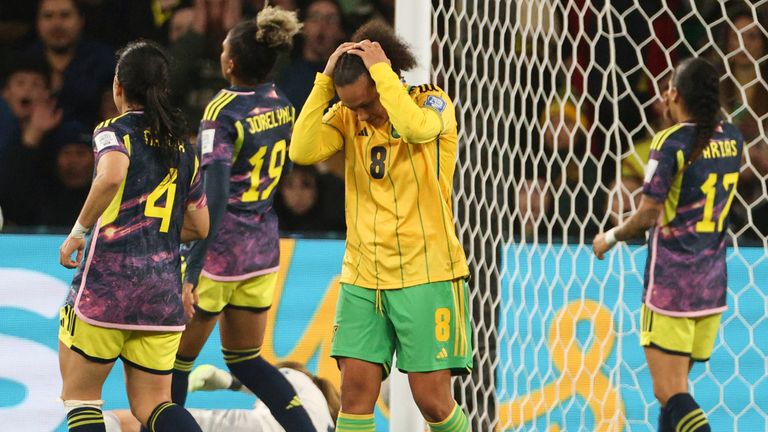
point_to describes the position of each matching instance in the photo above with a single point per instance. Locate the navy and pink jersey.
(131, 275)
(685, 272)
(247, 129)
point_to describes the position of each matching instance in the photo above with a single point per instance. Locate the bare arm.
(196, 224)
(644, 218)
(110, 174)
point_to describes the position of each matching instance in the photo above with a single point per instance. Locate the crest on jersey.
(436, 103)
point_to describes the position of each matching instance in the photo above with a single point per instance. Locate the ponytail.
(143, 71)
(698, 84)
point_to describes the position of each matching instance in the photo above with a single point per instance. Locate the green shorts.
(427, 325)
(690, 337)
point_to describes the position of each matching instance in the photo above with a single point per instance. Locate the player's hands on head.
(189, 298)
(370, 52)
(70, 246)
(600, 246)
(331, 65)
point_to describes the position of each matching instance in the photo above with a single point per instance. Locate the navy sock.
(181, 369)
(85, 419)
(664, 425)
(269, 385)
(685, 414)
(169, 417)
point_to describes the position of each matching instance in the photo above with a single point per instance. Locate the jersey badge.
(436, 103)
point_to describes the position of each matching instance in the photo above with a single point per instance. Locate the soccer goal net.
(557, 103)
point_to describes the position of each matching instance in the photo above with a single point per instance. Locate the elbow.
(111, 181)
(297, 157)
(203, 228)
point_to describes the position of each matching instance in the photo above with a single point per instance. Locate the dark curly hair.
(350, 67)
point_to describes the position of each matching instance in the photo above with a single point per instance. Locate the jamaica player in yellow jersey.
(402, 282)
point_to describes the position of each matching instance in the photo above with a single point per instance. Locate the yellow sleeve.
(315, 138)
(415, 124)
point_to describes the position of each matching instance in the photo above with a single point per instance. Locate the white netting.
(557, 101)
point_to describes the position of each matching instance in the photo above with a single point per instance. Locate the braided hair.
(698, 84)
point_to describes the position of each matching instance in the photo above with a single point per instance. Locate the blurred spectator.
(80, 67)
(59, 197)
(27, 116)
(196, 35)
(633, 163)
(744, 97)
(359, 12)
(50, 191)
(308, 202)
(27, 113)
(119, 22)
(252, 7)
(534, 204)
(322, 33)
(573, 171)
(107, 108)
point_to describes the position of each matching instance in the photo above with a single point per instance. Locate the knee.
(434, 409)
(358, 396)
(142, 409)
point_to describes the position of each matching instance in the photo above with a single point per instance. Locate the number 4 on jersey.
(166, 187)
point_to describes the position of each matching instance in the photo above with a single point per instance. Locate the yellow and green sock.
(355, 422)
(455, 422)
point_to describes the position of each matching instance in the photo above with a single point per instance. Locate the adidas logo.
(363, 132)
(295, 402)
(443, 354)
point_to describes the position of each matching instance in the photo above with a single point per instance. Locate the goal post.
(557, 102)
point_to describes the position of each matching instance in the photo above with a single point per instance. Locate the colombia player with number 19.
(126, 297)
(403, 276)
(243, 142)
(690, 182)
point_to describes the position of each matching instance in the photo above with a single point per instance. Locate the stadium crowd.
(573, 190)
(57, 60)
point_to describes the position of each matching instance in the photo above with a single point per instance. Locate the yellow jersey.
(399, 181)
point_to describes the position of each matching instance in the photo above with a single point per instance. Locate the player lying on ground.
(319, 397)
(688, 189)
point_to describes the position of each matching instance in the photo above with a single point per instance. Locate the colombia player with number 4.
(403, 276)
(243, 141)
(126, 297)
(690, 182)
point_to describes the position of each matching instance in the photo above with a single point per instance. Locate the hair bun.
(276, 27)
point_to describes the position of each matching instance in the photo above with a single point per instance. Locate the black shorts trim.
(249, 309)
(668, 351)
(205, 312)
(92, 358)
(146, 369)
